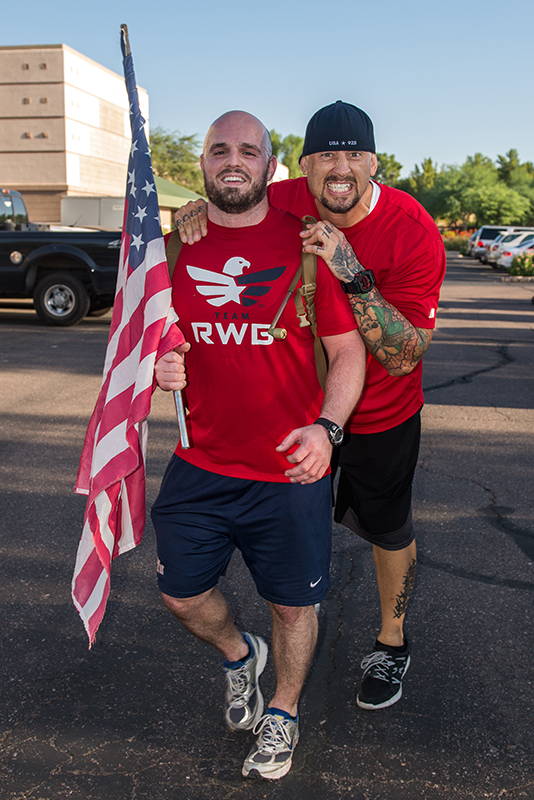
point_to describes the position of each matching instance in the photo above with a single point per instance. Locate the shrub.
(451, 234)
(458, 243)
(522, 265)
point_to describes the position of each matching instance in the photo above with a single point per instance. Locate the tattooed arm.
(388, 335)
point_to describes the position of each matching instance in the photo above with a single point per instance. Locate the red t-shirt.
(400, 242)
(245, 390)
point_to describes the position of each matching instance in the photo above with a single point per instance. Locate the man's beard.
(231, 199)
(341, 206)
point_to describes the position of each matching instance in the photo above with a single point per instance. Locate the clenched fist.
(170, 369)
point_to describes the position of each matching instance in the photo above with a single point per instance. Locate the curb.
(518, 279)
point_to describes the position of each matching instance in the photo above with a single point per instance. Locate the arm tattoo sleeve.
(390, 338)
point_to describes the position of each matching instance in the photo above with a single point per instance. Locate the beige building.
(64, 127)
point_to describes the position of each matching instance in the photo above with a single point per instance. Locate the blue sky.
(438, 79)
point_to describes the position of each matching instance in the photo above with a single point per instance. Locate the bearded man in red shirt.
(262, 431)
(388, 255)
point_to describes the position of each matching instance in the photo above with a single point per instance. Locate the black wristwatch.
(335, 433)
(362, 283)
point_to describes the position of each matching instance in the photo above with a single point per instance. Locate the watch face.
(335, 433)
(362, 283)
(337, 436)
(366, 283)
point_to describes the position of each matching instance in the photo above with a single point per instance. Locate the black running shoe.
(383, 671)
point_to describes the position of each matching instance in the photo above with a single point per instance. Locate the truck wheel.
(60, 299)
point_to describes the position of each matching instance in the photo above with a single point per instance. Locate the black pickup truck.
(69, 274)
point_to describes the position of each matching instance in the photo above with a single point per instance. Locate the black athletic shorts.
(284, 532)
(374, 496)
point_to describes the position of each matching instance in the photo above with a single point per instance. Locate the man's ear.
(373, 164)
(202, 160)
(273, 163)
(303, 163)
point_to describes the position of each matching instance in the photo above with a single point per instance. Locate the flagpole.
(180, 414)
(126, 40)
(178, 399)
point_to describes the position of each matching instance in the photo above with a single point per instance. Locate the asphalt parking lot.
(139, 716)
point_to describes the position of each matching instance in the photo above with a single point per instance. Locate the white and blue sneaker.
(244, 700)
(272, 753)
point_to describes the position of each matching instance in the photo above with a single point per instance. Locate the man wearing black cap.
(388, 254)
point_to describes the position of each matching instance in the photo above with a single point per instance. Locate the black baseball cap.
(339, 126)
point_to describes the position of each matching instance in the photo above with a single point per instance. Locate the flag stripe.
(112, 464)
(87, 562)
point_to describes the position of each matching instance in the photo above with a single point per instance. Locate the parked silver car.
(481, 238)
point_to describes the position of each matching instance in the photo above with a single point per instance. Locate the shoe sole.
(254, 772)
(275, 774)
(390, 701)
(263, 652)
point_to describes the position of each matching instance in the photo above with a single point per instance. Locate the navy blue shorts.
(283, 531)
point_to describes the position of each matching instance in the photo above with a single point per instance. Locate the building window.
(26, 101)
(42, 65)
(26, 135)
(43, 100)
(42, 135)
(25, 66)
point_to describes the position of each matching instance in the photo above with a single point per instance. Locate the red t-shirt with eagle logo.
(245, 390)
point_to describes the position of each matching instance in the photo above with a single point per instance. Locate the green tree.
(496, 204)
(176, 157)
(480, 191)
(507, 164)
(519, 177)
(422, 178)
(473, 194)
(422, 184)
(389, 169)
(287, 150)
(276, 139)
(445, 202)
(478, 170)
(292, 146)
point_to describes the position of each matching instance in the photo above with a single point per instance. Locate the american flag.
(112, 464)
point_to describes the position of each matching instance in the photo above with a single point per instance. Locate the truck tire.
(60, 299)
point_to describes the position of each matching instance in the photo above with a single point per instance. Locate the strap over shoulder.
(307, 291)
(173, 245)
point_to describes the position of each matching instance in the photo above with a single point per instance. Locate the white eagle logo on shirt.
(227, 286)
(226, 289)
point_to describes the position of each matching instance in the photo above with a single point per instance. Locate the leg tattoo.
(402, 599)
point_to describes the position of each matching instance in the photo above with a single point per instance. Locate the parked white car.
(485, 236)
(509, 253)
(505, 242)
(492, 250)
